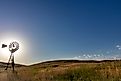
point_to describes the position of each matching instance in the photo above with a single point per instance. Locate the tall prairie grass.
(105, 71)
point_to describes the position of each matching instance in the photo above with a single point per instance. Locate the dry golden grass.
(102, 71)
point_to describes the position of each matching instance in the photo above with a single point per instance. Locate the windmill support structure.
(12, 62)
(14, 46)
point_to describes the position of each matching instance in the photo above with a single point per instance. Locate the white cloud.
(94, 55)
(79, 56)
(118, 46)
(89, 57)
(84, 55)
(98, 55)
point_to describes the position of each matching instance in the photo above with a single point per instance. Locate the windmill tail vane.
(14, 46)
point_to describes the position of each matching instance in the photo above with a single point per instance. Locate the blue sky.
(64, 28)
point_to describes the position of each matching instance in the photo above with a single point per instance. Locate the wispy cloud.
(89, 57)
(118, 46)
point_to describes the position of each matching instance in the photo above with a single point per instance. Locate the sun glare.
(5, 53)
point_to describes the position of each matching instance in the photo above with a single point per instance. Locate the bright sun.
(19, 54)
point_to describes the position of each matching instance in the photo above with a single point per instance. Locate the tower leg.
(8, 62)
(13, 63)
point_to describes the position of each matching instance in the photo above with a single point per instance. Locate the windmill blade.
(14, 46)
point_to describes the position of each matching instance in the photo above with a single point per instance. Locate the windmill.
(13, 47)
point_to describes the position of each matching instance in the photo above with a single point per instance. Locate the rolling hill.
(65, 70)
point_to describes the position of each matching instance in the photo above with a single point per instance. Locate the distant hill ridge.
(73, 61)
(3, 64)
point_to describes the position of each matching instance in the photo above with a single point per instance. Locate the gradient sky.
(56, 29)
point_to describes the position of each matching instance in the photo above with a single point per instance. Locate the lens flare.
(19, 54)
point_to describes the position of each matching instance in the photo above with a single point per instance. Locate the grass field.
(66, 71)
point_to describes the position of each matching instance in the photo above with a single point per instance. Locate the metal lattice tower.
(13, 47)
